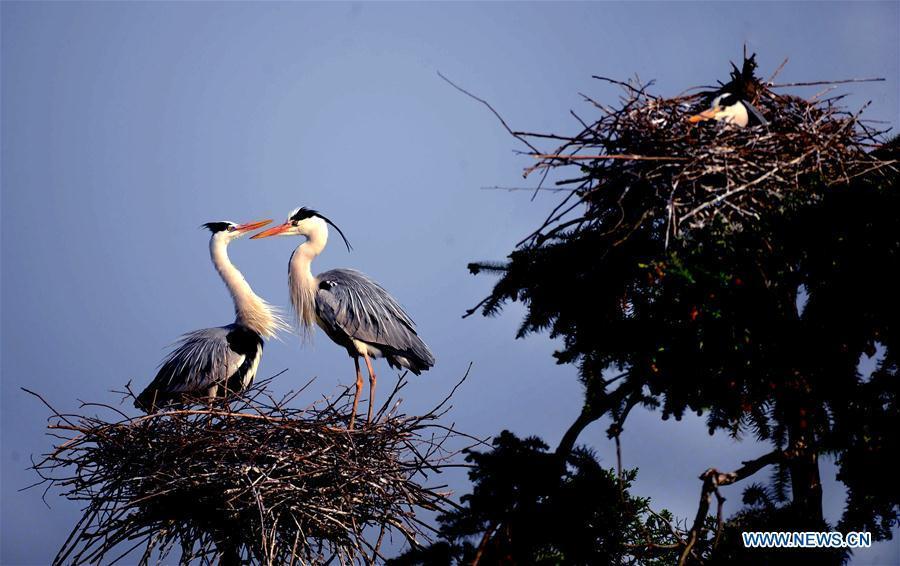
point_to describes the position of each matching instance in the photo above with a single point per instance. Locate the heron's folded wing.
(757, 114)
(199, 360)
(362, 309)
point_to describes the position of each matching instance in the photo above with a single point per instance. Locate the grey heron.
(352, 309)
(732, 109)
(222, 360)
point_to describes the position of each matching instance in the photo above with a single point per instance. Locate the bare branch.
(491, 108)
(819, 83)
(712, 480)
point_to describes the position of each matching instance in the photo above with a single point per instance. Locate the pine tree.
(756, 317)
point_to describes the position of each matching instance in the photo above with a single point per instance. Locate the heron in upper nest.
(730, 108)
(731, 102)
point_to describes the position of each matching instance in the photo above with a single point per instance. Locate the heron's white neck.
(301, 282)
(249, 309)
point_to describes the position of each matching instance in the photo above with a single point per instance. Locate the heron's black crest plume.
(743, 83)
(303, 213)
(729, 99)
(216, 226)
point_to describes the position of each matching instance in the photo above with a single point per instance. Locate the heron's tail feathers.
(417, 358)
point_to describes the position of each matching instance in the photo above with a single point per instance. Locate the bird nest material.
(644, 162)
(253, 479)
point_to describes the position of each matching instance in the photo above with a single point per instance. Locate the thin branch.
(820, 83)
(626, 157)
(712, 480)
(491, 108)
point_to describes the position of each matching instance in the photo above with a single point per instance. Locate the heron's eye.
(232, 228)
(295, 222)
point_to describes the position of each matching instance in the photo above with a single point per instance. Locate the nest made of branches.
(644, 163)
(252, 479)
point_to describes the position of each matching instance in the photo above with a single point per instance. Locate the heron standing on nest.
(218, 361)
(354, 311)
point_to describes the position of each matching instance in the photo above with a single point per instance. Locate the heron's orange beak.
(252, 225)
(274, 231)
(705, 115)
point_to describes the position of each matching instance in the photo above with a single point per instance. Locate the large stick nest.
(252, 479)
(643, 164)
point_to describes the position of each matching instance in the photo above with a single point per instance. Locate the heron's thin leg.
(359, 383)
(371, 387)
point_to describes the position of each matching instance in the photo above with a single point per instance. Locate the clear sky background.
(125, 126)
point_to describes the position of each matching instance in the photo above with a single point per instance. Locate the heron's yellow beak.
(705, 115)
(274, 231)
(252, 225)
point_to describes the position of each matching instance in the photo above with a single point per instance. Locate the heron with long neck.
(216, 362)
(353, 310)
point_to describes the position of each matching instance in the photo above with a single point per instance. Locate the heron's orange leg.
(371, 387)
(359, 383)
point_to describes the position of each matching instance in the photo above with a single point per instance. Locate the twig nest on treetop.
(648, 156)
(253, 479)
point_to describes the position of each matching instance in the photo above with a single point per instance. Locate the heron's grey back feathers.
(226, 356)
(351, 304)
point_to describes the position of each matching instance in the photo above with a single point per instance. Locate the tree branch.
(712, 480)
(593, 410)
(491, 108)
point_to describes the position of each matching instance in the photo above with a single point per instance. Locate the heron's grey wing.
(349, 302)
(199, 360)
(757, 114)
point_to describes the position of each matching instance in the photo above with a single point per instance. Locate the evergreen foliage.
(521, 511)
(757, 316)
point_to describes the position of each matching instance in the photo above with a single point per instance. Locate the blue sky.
(125, 126)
